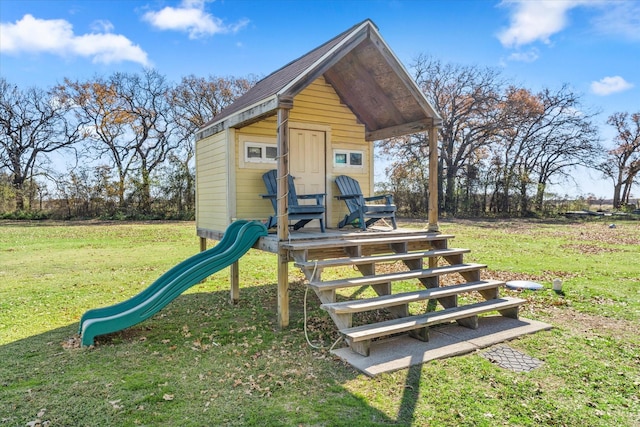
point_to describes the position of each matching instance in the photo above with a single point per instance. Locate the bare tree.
(153, 134)
(623, 161)
(98, 104)
(130, 122)
(33, 123)
(466, 97)
(408, 171)
(566, 138)
(541, 137)
(195, 101)
(517, 115)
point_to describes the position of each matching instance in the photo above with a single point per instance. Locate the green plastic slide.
(237, 240)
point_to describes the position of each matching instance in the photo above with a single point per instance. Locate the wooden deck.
(337, 238)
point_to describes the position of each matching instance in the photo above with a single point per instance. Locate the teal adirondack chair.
(362, 213)
(303, 213)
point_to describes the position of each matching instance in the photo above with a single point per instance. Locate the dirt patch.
(603, 234)
(72, 342)
(587, 249)
(507, 276)
(589, 324)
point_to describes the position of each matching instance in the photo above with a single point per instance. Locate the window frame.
(348, 153)
(263, 147)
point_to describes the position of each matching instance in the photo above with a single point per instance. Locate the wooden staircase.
(426, 258)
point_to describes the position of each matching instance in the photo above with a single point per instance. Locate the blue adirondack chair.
(303, 213)
(362, 213)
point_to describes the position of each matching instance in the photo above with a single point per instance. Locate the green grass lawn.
(203, 362)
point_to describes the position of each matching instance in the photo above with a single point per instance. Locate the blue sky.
(593, 45)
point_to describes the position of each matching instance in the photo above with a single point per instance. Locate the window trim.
(263, 146)
(347, 153)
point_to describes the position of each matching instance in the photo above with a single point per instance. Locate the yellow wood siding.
(320, 104)
(212, 183)
(235, 192)
(249, 185)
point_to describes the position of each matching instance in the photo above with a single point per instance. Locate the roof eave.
(252, 113)
(328, 60)
(405, 76)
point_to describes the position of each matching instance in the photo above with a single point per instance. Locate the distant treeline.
(122, 146)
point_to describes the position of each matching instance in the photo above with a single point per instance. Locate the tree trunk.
(450, 192)
(145, 191)
(616, 194)
(524, 200)
(539, 202)
(626, 193)
(18, 186)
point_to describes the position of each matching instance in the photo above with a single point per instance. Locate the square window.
(355, 159)
(254, 152)
(257, 153)
(341, 158)
(272, 152)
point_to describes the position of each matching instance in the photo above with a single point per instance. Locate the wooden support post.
(234, 278)
(283, 289)
(284, 105)
(433, 180)
(203, 247)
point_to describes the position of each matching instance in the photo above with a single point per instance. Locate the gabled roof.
(363, 71)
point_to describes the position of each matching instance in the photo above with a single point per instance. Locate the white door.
(307, 161)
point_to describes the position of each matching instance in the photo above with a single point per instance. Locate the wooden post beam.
(433, 180)
(234, 278)
(284, 105)
(203, 247)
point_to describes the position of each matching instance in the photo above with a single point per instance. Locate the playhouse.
(330, 105)
(308, 129)
(311, 121)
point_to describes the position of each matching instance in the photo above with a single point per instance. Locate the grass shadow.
(199, 361)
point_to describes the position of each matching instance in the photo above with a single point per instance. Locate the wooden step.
(361, 241)
(393, 277)
(338, 262)
(357, 306)
(359, 337)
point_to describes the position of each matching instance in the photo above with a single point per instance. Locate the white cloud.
(619, 18)
(538, 20)
(56, 36)
(102, 26)
(190, 17)
(609, 85)
(535, 20)
(529, 56)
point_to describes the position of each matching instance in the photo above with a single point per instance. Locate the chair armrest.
(311, 196)
(268, 196)
(387, 197)
(319, 197)
(348, 196)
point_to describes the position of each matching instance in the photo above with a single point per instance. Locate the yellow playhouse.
(333, 103)
(314, 120)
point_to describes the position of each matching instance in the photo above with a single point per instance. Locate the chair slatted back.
(348, 185)
(270, 179)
